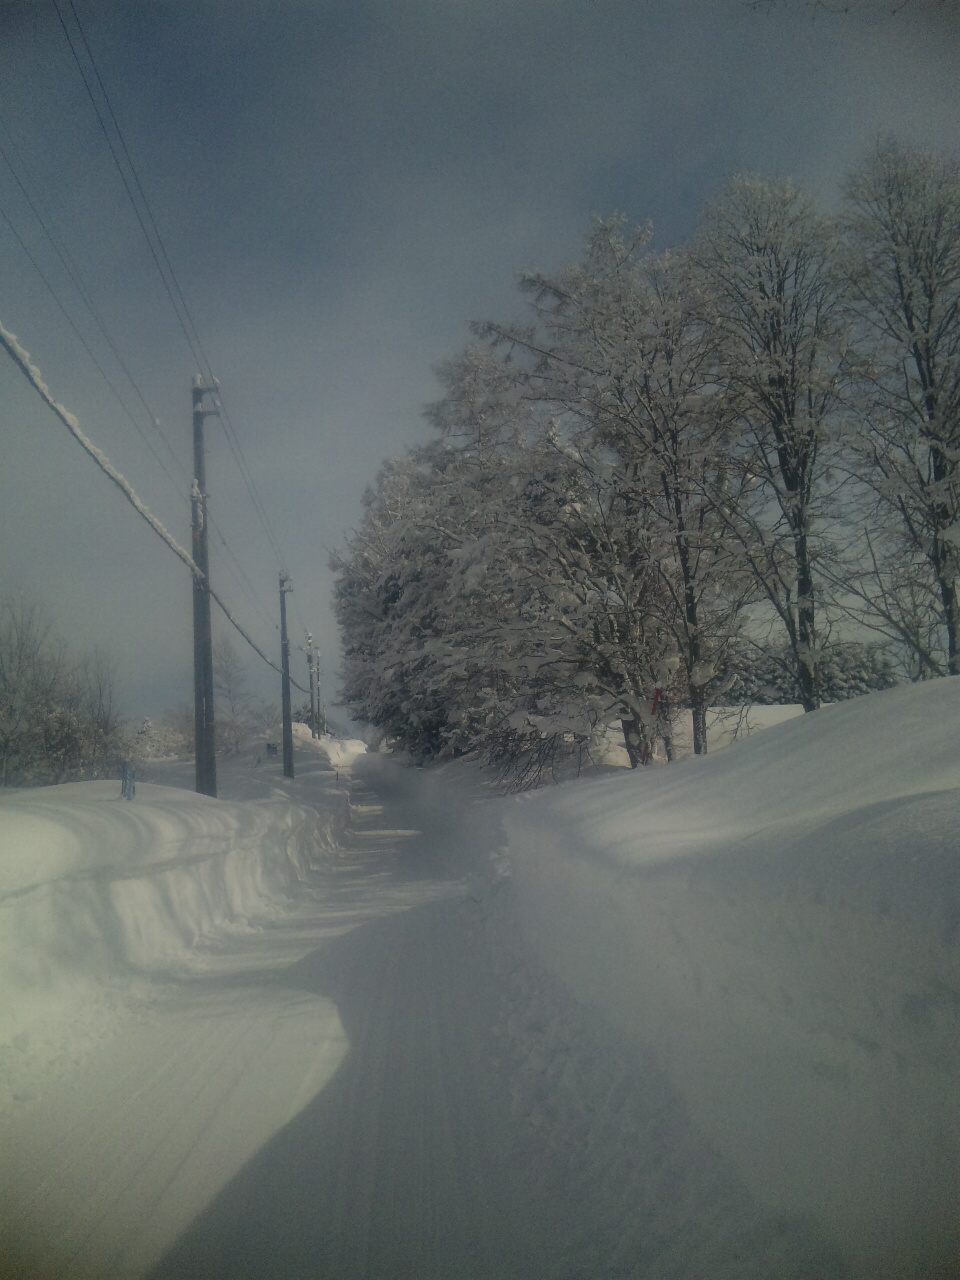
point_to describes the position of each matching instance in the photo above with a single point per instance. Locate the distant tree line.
(58, 719)
(239, 716)
(686, 477)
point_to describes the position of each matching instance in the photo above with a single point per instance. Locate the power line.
(22, 360)
(167, 272)
(126, 184)
(76, 278)
(86, 346)
(242, 577)
(136, 178)
(171, 284)
(233, 440)
(234, 565)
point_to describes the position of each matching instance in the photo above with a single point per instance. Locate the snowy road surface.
(378, 1084)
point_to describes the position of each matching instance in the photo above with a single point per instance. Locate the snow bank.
(341, 752)
(725, 725)
(780, 925)
(96, 893)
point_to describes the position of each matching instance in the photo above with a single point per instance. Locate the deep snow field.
(696, 1022)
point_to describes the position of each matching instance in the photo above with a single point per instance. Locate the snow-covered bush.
(169, 737)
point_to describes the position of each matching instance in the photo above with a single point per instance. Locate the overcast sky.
(342, 187)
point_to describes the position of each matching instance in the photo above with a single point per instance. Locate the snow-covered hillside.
(780, 926)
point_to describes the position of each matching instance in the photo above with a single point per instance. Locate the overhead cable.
(86, 346)
(22, 360)
(233, 565)
(126, 183)
(76, 278)
(169, 276)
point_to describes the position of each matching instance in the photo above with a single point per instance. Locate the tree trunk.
(665, 728)
(694, 646)
(808, 672)
(942, 561)
(630, 728)
(698, 711)
(948, 593)
(635, 740)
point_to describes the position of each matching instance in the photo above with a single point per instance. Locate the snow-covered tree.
(625, 361)
(642, 482)
(494, 599)
(766, 258)
(564, 546)
(591, 596)
(235, 716)
(901, 264)
(391, 566)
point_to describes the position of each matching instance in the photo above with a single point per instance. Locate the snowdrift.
(340, 752)
(780, 925)
(96, 893)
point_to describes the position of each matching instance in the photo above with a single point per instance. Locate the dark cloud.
(342, 187)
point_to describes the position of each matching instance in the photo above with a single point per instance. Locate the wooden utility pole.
(314, 700)
(320, 708)
(321, 713)
(204, 743)
(285, 680)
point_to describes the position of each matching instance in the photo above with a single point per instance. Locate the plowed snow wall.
(96, 894)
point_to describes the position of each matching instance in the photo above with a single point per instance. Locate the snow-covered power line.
(21, 358)
(15, 164)
(122, 157)
(233, 564)
(84, 343)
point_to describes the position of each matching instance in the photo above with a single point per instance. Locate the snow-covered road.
(398, 1167)
(378, 1084)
